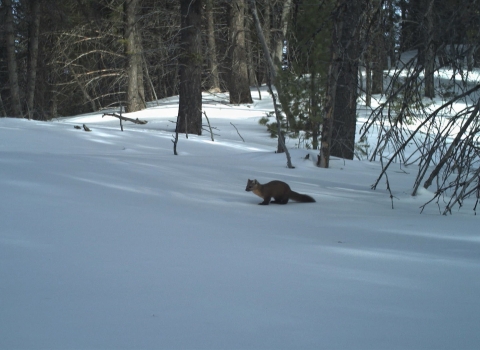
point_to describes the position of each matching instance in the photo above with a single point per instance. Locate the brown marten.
(279, 190)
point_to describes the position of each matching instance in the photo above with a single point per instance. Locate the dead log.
(136, 121)
(121, 117)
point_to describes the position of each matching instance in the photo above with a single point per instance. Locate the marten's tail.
(298, 197)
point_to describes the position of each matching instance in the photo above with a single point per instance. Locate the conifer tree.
(303, 79)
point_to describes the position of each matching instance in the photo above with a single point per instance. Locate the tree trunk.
(272, 74)
(252, 76)
(239, 82)
(314, 110)
(140, 75)
(33, 31)
(190, 105)
(368, 81)
(339, 122)
(327, 125)
(3, 112)
(280, 34)
(379, 52)
(470, 58)
(12, 61)
(212, 49)
(266, 30)
(429, 53)
(134, 59)
(390, 43)
(345, 103)
(377, 74)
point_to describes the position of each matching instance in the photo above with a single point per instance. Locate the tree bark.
(345, 102)
(429, 53)
(267, 31)
(239, 82)
(12, 61)
(212, 48)
(327, 125)
(339, 122)
(140, 74)
(134, 59)
(281, 33)
(33, 31)
(368, 81)
(190, 105)
(377, 73)
(379, 52)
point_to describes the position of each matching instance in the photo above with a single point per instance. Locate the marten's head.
(251, 185)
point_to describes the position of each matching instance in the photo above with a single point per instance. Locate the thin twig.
(237, 132)
(175, 140)
(209, 126)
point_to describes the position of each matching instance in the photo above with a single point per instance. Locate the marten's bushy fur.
(278, 190)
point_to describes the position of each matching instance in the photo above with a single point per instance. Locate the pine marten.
(279, 190)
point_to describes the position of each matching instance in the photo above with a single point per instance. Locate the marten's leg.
(266, 201)
(280, 200)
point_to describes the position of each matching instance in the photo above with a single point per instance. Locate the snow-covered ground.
(109, 241)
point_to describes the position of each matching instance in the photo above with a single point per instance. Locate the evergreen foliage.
(303, 72)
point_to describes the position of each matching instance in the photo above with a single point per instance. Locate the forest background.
(62, 58)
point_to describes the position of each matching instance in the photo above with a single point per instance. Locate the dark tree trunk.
(339, 122)
(327, 124)
(239, 82)
(212, 48)
(12, 61)
(281, 33)
(135, 100)
(33, 32)
(377, 74)
(379, 54)
(419, 33)
(345, 103)
(390, 42)
(266, 30)
(429, 53)
(140, 68)
(368, 81)
(190, 104)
